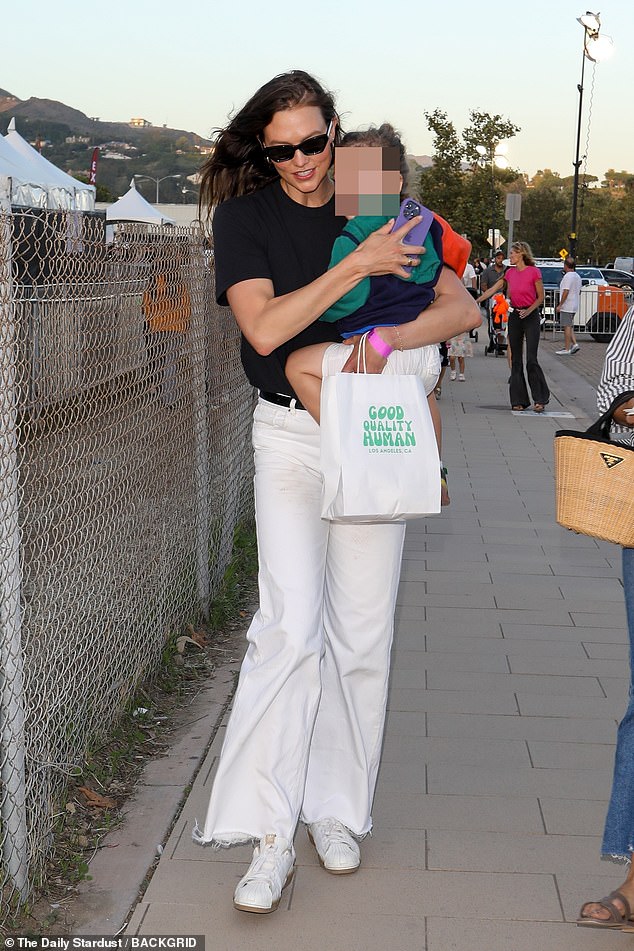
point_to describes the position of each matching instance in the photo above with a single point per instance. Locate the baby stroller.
(498, 325)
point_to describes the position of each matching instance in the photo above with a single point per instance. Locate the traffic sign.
(563, 253)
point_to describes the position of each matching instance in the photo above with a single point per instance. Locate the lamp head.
(591, 22)
(598, 48)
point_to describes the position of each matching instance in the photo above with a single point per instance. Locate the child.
(384, 301)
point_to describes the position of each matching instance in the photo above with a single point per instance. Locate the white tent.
(63, 191)
(23, 184)
(133, 207)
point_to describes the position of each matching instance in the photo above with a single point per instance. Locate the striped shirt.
(618, 373)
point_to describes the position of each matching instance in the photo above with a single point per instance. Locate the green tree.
(440, 185)
(486, 131)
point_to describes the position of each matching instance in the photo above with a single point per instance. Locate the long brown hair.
(237, 164)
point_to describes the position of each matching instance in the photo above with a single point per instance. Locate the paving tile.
(616, 688)
(601, 589)
(481, 598)
(553, 615)
(450, 701)
(415, 810)
(230, 930)
(454, 934)
(405, 660)
(533, 705)
(552, 729)
(513, 646)
(502, 683)
(608, 651)
(544, 631)
(480, 622)
(508, 852)
(568, 817)
(567, 666)
(518, 781)
(584, 755)
(402, 750)
(581, 571)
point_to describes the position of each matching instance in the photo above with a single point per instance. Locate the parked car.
(591, 275)
(624, 264)
(618, 278)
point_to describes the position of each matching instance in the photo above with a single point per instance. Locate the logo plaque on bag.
(387, 429)
(610, 460)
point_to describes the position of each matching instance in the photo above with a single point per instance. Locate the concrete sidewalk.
(509, 672)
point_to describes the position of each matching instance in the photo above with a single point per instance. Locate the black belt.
(281, 400)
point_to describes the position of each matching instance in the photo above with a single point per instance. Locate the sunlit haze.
(188, 66)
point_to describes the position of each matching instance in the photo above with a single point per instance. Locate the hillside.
(52, 112)
(155, 151)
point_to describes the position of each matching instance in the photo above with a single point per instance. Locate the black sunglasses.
(312, 146)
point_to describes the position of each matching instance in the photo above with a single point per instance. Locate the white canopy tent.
(133, 207)
(63, 191)
(22, 185)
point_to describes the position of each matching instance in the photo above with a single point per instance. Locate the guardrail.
(600, 310)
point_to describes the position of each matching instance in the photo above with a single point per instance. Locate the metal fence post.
(14, 855)
(197, 353)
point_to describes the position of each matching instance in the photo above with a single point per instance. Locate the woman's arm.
(491, 291)
(268, 321)
(618, 371)
(453, 312)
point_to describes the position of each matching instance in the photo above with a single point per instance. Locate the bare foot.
(596, 911)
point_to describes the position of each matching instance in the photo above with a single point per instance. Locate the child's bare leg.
(437, 423)
(303, 371)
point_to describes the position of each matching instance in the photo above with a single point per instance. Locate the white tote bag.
(379, 457)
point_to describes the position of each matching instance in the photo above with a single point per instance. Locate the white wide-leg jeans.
(305, 732)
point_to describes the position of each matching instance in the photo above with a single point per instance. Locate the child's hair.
(385, 136)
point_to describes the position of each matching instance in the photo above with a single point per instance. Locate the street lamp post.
(595, 48)
(496, 154)
(157, 181)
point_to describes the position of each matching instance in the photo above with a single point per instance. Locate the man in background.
(569, 290)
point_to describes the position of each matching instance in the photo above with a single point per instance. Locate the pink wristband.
(378, 343)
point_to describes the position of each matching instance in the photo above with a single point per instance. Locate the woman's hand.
(619, 416)
(383, 251)
(374, 362)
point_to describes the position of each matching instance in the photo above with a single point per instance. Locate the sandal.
(538, 407)
(617, 918)
(518, 409)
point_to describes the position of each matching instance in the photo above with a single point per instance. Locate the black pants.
(518, 329)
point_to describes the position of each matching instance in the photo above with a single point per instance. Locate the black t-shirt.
(268, 235)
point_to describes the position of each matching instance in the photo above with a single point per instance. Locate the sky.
(189, 67)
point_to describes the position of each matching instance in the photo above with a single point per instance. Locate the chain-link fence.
(124, 467)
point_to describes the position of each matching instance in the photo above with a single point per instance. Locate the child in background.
(387, 300)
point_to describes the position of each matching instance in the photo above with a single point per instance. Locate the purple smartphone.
(409, 209)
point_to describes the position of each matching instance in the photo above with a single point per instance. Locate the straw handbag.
(594, 481)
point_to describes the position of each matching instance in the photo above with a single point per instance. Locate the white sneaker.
(270, 871)
(338, 852)
(575, 348)
(452, 375)
(563, 353)
(461, 377)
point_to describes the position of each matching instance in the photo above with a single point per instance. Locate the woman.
(304, 737)
(617, 908)
(523, 284)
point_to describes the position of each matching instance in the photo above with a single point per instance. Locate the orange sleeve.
(455, 249)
